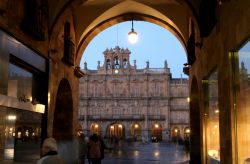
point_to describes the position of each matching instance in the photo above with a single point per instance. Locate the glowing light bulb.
(132, 37)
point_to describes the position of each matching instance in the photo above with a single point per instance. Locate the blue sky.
(244, 56)
(155, 45)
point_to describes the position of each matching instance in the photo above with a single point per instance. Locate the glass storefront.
(212, 134)
(20, 134)
(19, 83)
(242, 104)
(23, 97)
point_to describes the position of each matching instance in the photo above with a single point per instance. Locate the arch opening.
(87, 38)
(63, 111)
(116, 131)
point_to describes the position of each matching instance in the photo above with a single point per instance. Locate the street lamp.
(132, 35)
(156, 126)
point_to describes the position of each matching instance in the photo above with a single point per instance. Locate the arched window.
(116, 63)
(125, 63)
(108, 64)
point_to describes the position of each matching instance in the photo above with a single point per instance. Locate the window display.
(243, 103)
(212, 119)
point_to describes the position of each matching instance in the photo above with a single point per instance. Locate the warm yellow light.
(176, 130)
(156, 126)
(112, 127)
(120, 126)
(136, 126)
(156, 154)
(216, 111)
(12, 117)
(40, 108)
(116, 71)
(19, 134)
(49, 98)
(188, 99)
(213, 153)
(187, 130)
(96, 126)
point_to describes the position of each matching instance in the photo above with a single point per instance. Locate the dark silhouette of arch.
(195, 144)
(63, 115)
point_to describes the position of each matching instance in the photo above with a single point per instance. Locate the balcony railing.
(179, 107)
(156, 117)
(122, 117)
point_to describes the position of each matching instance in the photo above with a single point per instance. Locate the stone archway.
(116, 130)
(95, 128)
(63, 115)
(136, 130)
(195, 135)
(156, 132)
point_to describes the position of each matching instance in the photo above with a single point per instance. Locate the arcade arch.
(116, 130)
(136, 130)
(156, 131)
(63, 111)
(95, 128)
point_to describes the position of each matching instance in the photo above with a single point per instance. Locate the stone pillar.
(145, 130)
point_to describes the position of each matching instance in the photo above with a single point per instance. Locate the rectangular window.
(19, 129)
(242, 104)
(19, 83)
(212, 136)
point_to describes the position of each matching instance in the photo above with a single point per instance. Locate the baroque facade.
(119, 100)
(48, 38)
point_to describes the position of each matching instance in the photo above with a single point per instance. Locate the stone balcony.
(126, 117)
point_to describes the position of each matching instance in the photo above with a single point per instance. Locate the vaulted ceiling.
(93, 16)
(89, 14)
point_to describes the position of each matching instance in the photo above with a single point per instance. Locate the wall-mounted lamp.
(132, 35)
(40, 108)
(186, 69)
(78, 73)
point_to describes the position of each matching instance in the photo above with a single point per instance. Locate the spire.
(165, 64)
(147, 64)
(98, 65)
(85, 66)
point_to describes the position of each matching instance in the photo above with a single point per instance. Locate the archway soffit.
(122, 18)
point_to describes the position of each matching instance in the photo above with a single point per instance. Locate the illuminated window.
(20, 83)
(212, 118)
(242, 104)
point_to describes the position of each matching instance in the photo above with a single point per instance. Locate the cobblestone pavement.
(136, 153)
(147, 153)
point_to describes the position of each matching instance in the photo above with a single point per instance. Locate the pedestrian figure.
(81, 147)
(49, 153)
(88, 151)
(103, 147)
(95, 149)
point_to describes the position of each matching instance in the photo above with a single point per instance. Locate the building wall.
(144, 96)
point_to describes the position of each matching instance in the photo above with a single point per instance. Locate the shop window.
(17, 132)
(19, 83)
(211, 114)
(242, 104)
